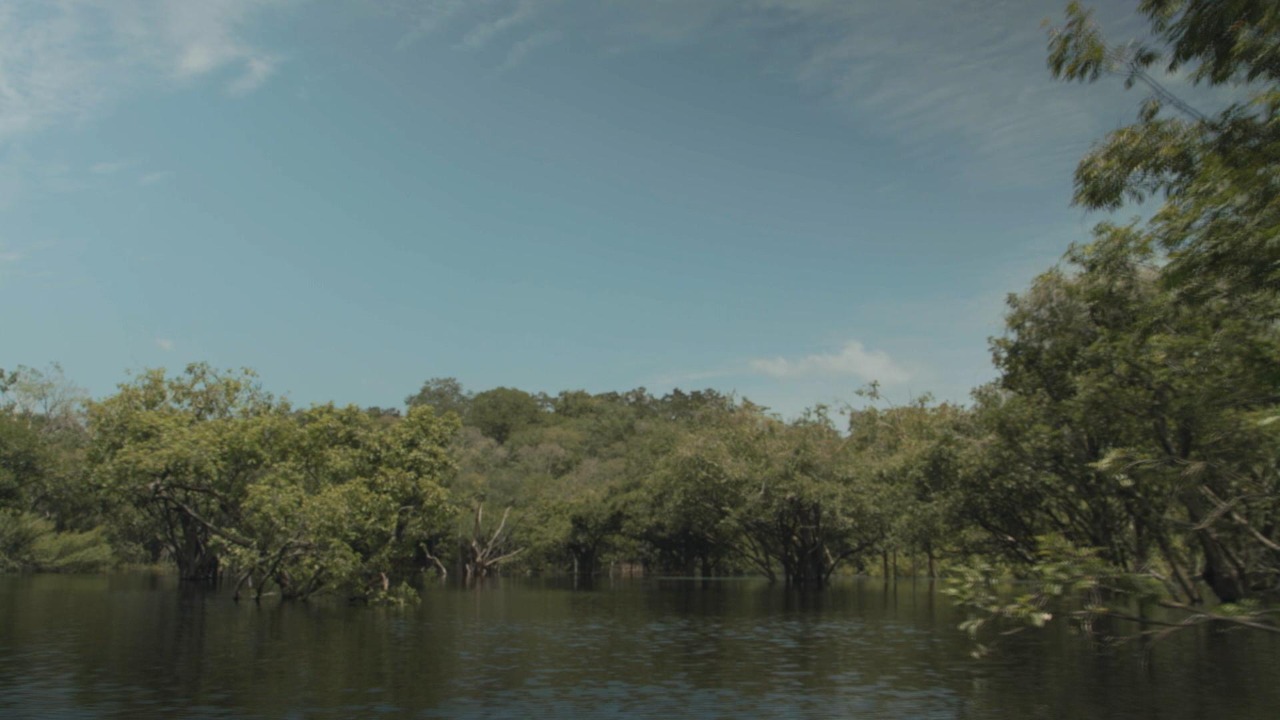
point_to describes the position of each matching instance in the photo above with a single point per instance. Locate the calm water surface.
(133, 646)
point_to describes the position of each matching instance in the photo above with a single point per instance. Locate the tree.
(446, 395)
(1218, 174)
(1137, 404)
(1130, 451)
(50, 518)
(42, 443)
(502, 411)
(682, 514)
(23, 461)
(787, 495)
(350, 504)
(576, 515)
(177, 456)
(914, 455)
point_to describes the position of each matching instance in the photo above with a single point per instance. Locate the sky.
(785, 199)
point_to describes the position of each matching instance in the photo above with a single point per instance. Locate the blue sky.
(782, 198)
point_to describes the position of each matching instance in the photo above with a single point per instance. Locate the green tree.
(787, 494)
(1217, 173)
(177, 456)
(1134, 421)
(42, 444)
(49, 515)
(446, 395)
(351, 504)
(914, 456)
(1130, 445)
(500, 412)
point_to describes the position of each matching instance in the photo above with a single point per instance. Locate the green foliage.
(348, 505)
(1216, 173)
(18, 535)
(1067, 581)
(23, 460)
(500, 412)
(914, 456)
(445, 395)
(32, 543)
(1129, 426)
(177, 455)
(1127, 456)
(781, 496)
(42, 443)
(78, 552)
(212, 470)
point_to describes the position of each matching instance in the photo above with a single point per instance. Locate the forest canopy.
(1126, 457)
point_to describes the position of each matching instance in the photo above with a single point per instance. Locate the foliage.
(1127, 456)
(1071, 582)
(915, 455)
(445, 395)
(213, 471)
(1218, 174)
(1131, 427)
(42, 444)
(176, 455)
(500, 412)
(350, 505)
(783, 496)
(30, 542)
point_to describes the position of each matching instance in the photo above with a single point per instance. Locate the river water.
(138, 645)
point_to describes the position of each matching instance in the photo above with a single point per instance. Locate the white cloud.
(107, 168)
(852, 359)
(63, 62)
(164, 344)
(154, 178)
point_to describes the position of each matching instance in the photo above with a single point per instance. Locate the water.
(132, 646)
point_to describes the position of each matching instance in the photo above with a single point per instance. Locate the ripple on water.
(639, 650)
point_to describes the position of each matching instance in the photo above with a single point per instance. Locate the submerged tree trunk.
(585, 560)
(191, 553)
(198, 566)
(482, 553)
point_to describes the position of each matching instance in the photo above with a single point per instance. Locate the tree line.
(1127, 456)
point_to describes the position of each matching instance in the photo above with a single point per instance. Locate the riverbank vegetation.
(1127, 455)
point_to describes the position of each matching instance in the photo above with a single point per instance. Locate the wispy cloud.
(153, 178)
(427, 18)
(853, 359)
(107, 168)
(522, 49)
(257, 71)
(961, 81)
(63, 62)
(483, 32)
(164, 344)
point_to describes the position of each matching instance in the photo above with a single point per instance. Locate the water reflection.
(124, 646)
